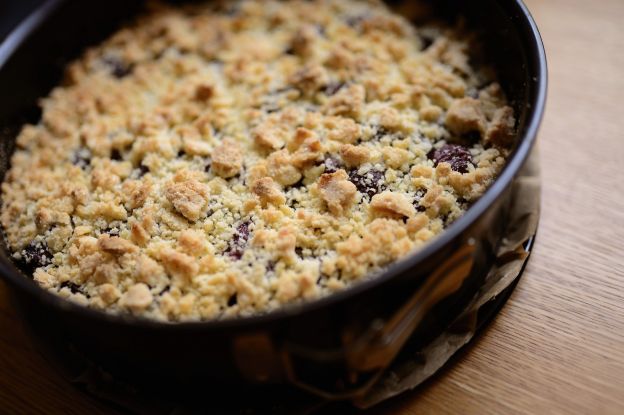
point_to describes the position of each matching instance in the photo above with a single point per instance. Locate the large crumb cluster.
(229, 159)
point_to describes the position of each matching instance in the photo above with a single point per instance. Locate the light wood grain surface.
(558, 344)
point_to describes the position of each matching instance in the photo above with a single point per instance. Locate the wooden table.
(558, 344)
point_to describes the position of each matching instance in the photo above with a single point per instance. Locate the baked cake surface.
(228, 159)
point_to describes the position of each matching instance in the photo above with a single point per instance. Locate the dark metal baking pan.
(336, 346)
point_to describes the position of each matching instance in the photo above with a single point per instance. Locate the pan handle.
(378, 347)
(367, 355)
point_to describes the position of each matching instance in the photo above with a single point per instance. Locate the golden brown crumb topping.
(227, 159)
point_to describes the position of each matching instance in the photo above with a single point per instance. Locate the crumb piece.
(395, 157)
(281, 169)
(301, 136)
(432, 195)
(227, 159)
(390, 119)
(192, 242)
(268, 192)
(421, 171)
(138, 234)
(416, 223)
(149, 271)
(181, 266)
(308, 151)
(137, 298)
(115, 245)
(391, 24)
(431, 113)
(341, 129)
(138, 192)
(337, 191)
(492, 98)
(196, 147)
(44, 279)
(340, 58)
(309, 79)
(354, 156)
(500, 131)
(108, 293)
(348, 102)
(384, 240)
(168, 304)
(110, 210)
(303, 40)
(188, 197)
(186, 304)
(394, 205)
(269, 136)
(102, 177)
(443, 169)
(45, 218)
(286, 241)
(465, 116)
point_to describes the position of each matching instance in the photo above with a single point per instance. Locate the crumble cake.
(230, 158)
